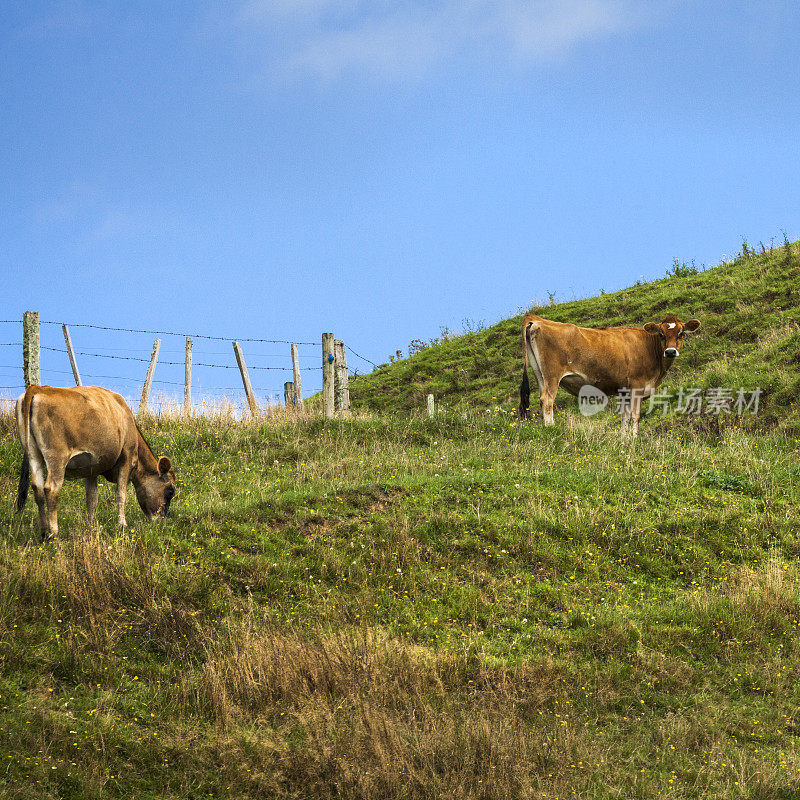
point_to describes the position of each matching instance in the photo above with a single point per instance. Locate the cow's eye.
(680, 335)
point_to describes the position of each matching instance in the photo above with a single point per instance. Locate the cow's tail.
(23, 411)
(524, 394)
(528, 329)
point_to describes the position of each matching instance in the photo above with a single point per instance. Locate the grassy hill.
(749, 307)
(392, 606)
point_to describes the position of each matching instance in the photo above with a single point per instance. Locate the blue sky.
(276, 169)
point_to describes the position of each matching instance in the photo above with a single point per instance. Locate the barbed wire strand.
(171, 363)
(176, 333)
(262, 389)
(361, 357)
(196, 351)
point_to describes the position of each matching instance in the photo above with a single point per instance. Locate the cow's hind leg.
(38, 476)
(548, 386)
(548, 399)
(41, 503)
(52, 488)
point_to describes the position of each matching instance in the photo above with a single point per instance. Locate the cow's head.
(156, 490)
(670, 332)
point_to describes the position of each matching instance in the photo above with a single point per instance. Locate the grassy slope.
(398, 607)
(749, 307)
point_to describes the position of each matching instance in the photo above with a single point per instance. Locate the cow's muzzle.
(670, 352)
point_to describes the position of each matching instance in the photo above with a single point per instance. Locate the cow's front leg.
(631, 411)
(123, 478)
(122, 494)
(91, 498)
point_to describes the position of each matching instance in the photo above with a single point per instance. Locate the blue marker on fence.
(330, 358)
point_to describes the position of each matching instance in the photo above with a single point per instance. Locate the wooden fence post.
(298, 391)
(71, 354)
(248, 389)
(431, 408)
(30, 348)
(149, 378)
(288, 394)
(187, 381)
(341, 382)
(327, 376)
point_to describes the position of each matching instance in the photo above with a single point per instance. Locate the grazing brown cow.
(610, 359)
(84, 432)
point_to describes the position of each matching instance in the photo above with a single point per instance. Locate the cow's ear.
(652, 327)
(692, 325)
(164, 465)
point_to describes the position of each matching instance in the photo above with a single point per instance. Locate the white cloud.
(551, 28)
(399, 44)
(407, 37)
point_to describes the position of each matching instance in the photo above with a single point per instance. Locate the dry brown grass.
(765, 591)
(227, 409)
(380, 718)
(98, 588)
(776, 335)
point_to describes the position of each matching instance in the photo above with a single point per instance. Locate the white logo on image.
(591, 400)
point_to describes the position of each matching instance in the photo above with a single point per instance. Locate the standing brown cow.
(84, 432)
(611, 359)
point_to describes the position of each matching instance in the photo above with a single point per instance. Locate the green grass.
(392, 606)
(405, 607)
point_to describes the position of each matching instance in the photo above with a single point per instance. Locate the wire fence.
(176, 333)
(124, 352)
